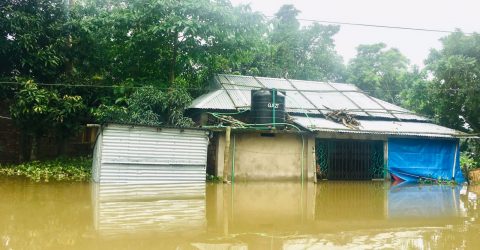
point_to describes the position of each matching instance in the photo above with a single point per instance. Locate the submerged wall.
(267, 156)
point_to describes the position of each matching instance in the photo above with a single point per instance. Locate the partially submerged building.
(273, 129)
(136, 154)
(257, 128)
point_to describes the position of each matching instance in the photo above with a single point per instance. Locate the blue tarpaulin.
(411, 159)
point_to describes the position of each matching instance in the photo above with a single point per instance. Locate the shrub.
(468, 162)
(60, 169)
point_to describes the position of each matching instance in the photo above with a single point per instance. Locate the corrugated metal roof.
(318, 124)
(310, 97)
(217, 99)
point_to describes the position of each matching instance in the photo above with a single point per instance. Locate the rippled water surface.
(328, 215)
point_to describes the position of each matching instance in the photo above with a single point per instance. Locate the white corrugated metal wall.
(138, 154)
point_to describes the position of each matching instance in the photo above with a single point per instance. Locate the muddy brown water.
(328, 215)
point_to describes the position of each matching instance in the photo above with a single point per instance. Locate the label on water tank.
(270, 105)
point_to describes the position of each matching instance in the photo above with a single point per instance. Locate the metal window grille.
(349, 159)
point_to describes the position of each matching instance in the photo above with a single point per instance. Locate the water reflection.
(289, 215)
(327, 215)
(351, 201)
(409, 200)
(120, 208)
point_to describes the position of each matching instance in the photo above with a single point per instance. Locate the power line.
(377, 26)
(92, 86)
(232, 87)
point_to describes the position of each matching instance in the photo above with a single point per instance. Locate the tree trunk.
(173, 61)
(69, 61)
(34, 148)
(226, 156)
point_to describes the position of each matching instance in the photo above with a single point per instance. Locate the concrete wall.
(260, 157)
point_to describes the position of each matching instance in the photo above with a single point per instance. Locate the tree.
(149, 106)
(417, 96)
(454, 87)
(33, 38)
(102, 53)
(379, 71)
(302, 52)
(157, 41)
(456, 81)
(285, 41)
(38, 111)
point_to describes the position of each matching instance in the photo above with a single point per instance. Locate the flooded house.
(283, 129)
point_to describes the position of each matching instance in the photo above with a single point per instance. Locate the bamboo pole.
(226, 156)
(314, 162)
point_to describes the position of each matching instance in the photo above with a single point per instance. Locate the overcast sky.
(430, 14)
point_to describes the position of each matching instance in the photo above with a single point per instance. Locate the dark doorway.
(349, 159)
(212, 155)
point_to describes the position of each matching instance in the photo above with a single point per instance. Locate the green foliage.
(180, 45)
(174, 103)
(380, 72)
(417, 96)
(213, 178)
(32, 108)
(149, 106)
(468, 162)
(33, 39)
(159, 43)
(430, 181)
(61, 169)
(456, 86)
(160, 40)
(301, 53)
(38, 110)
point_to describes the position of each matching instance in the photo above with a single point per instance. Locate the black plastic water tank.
(267, 104)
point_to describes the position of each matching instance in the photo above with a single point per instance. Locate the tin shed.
(142, 154)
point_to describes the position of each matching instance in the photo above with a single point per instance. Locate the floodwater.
(328, 215)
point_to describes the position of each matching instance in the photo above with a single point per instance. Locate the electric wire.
(376, 25)
(233, 85)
